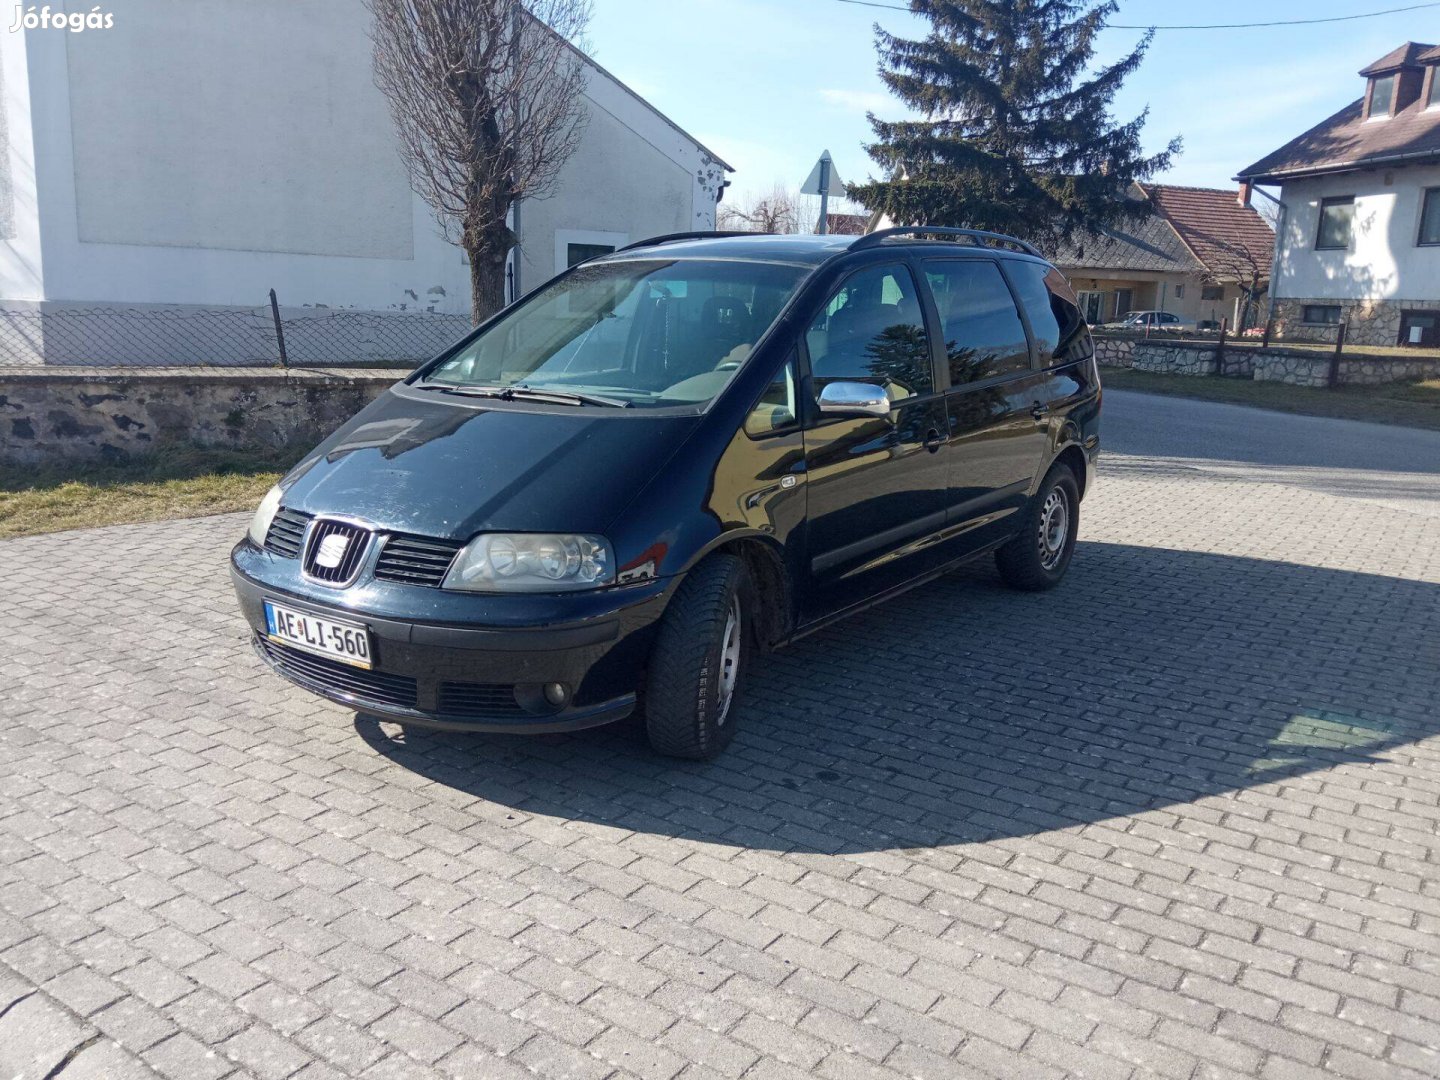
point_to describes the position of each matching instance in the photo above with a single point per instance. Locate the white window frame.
(565, 237)
(1394, 80)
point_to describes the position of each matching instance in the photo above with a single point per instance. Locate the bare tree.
(1239, 262)
(777, 212)
(487, 99)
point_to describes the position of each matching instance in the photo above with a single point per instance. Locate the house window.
(1382, 95)
(1320, 314)
(1212, 292)
(1434, 98)
(1420, 328)
(1179, 291)
(1337, 216)
(578, 253)
(1430, 216)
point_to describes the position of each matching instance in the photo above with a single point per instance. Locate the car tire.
(1038, 555)
(693, 685)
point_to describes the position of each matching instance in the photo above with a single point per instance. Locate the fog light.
(556, 693)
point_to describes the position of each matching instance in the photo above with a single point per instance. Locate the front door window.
(872, 331)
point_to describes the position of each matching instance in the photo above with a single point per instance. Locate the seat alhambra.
(609, 495)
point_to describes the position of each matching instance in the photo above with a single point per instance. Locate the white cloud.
(860, 101)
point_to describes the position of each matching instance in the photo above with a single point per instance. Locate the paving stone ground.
(1177, 819)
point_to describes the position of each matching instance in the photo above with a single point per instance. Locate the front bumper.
(480, 674)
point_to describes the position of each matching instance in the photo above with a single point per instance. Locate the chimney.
(1246, 189)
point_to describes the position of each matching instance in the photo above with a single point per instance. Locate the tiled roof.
(1225, 236)
(847, 224)
(1407, 55)
(1144, 243)
(1345, 141)
(1187, 231)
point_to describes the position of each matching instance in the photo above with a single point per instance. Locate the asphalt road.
(1394, 466)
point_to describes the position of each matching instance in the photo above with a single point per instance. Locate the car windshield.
(638, 333)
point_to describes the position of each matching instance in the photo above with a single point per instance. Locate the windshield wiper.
(526, 393)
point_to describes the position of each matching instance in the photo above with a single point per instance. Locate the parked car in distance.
(607, 497)
(1151, 320)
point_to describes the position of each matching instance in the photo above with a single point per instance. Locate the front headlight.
(264, 515)
(531, 562)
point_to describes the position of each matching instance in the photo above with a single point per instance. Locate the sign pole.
(825, 193)
(821, 179)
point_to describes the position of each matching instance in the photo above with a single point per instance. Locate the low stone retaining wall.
(1114, 352)
(1296, 367)
(109, 414)
(1310, 369)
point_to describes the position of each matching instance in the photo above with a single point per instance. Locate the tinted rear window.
(982, 330)
(1055, 319)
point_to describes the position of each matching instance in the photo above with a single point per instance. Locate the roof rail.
(979, 236)
(670, 238)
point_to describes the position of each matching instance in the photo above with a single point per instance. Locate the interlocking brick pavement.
(1177, 819)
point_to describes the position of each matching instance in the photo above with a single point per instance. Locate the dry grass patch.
(176, 483)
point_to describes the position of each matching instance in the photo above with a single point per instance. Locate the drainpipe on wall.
(1246, 190)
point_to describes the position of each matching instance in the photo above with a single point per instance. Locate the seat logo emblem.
(331, 551)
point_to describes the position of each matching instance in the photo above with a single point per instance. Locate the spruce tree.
(1014, 131)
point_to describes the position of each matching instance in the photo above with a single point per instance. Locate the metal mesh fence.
(220, 337)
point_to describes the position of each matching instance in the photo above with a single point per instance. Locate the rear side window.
(1060, 331)
(983, 334)
(871, 330)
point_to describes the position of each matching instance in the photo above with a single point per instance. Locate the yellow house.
(1195, 253)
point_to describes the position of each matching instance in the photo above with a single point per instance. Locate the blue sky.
(768, 84)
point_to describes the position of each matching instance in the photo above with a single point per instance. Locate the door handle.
(933, 440)
(1039, 410)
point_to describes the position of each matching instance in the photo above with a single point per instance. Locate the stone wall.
(1313, 369)
(1277, 364)
(1371, 322)
(107, 415)
(1173, 359)
(1114, 351)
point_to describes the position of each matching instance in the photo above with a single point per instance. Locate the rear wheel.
(1037, 557)
(692, 690)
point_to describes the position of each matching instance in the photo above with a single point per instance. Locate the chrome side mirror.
(854, 399)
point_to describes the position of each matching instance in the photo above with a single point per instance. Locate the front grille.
(478, 699)
(335, 550)
(287, 532)
(416, 560)
(338, 678)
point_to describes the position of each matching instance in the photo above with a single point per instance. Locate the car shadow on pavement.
(963, 711)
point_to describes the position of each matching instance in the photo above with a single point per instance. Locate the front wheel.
(1037, 557)
(693, 685)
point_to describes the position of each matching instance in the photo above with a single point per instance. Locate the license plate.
(346, 642)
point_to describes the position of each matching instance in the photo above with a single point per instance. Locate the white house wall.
(1384, 262)
(250, 150)
(21, 271)
(618, 187)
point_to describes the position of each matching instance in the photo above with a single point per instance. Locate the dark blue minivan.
(604, 498)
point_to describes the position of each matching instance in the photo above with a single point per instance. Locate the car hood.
(447, 468)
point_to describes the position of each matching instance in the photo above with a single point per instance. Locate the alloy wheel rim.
(729, 659)
(1054, 529)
